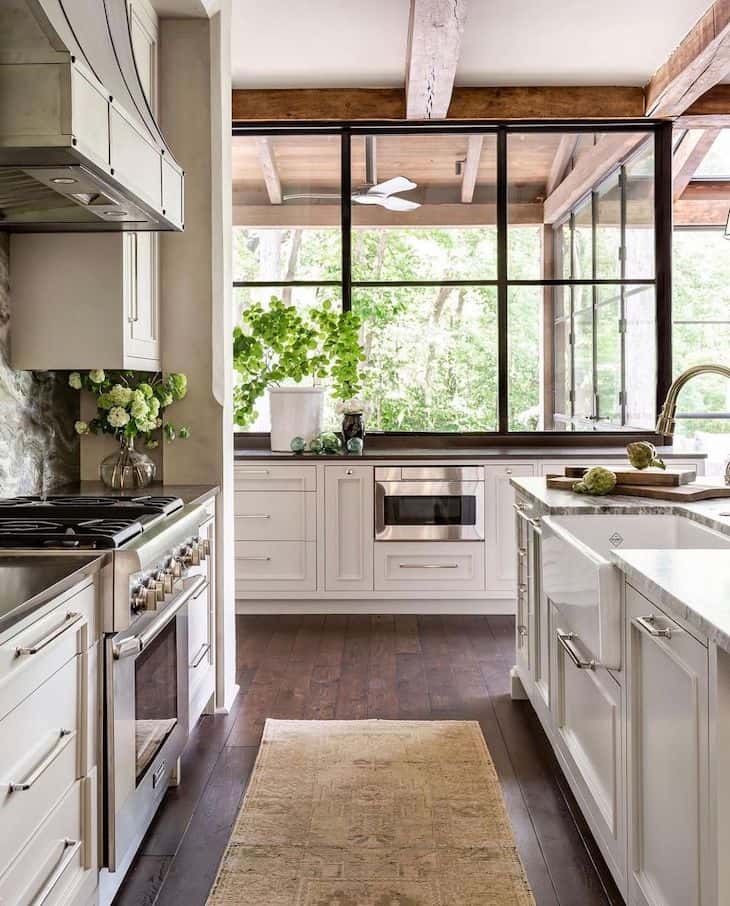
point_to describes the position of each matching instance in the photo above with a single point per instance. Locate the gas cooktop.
(77, 522)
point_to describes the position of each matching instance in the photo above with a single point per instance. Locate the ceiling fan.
(373, 192)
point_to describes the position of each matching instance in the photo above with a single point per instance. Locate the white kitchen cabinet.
(96, 295)
(348, 528)
(501, 572)
(668, 743)
(587, 719)
(523, 646)
(444, 566)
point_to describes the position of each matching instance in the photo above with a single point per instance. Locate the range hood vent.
(80, 148)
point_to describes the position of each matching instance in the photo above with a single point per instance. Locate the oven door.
(146, 719)
(429, 510)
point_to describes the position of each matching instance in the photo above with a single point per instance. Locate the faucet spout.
(666, 421)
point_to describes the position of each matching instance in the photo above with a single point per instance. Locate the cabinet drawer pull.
(64, 738)
(522, 588)
(254, 558)
(253, 516)
(204, 649)
(428, 566)
(567, 641)
(253, 471)
(647, 624)
(522, 630)
(70, 848)
(69, 620)
(522, 553)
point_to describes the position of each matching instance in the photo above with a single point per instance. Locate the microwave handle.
(133, 645)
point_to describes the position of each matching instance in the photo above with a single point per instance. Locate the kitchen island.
(623, 649)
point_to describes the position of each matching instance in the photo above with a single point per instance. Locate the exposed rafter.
(269, 168)
(561, 161)
(590, 169)
(699, 63)
(710, 111)
(470, 170)
(689, 154)
(434, 42)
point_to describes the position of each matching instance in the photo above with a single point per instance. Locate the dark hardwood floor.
(405, 667)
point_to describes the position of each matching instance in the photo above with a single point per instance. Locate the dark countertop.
(188, 493)
(27, 583)
(463, 453)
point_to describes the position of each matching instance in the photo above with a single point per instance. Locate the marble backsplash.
(39, 450)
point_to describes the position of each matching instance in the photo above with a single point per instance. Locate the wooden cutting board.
(686, 493)
(627, 474)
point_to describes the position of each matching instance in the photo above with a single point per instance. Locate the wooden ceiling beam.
(352, 104)
(592, 166)
(435, 28)
(708, 190)
(696, 65)
(696, 212)
(689, 154)
(269, 169)
(470, 166)
(710, 111)
(561, 161)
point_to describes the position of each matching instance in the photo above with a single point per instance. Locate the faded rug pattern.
(372, 813)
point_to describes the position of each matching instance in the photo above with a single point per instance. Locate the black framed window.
(501, 290)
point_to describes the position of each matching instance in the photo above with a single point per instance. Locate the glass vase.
(127, 468)
(353, 425)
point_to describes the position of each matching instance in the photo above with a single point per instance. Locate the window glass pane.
(639, 176)
(695, 344)
(303, 298)
(525, 350)
(583, 365)
(716, 164)
(563, 254)
(701, 276)
(583, 242)
(640, 356)
(608, 229)
(431, 358)
(608, 355)
(525, 253)
(562, 373)
(424, 207)
(286, 207)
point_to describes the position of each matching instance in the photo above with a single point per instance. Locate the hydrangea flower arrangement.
(130, 404)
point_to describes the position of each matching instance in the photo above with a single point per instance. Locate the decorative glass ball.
(298, 444)
(355, 445)
(331, 443)
(315, 445)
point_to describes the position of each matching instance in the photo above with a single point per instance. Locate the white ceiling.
(362, 43)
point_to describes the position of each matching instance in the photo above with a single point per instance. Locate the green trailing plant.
(280, 343)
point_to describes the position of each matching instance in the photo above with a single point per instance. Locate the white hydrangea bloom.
(81, 427)
(74, 380)
(96, 375)
(117, 417)
(120, 396)
(139, 409)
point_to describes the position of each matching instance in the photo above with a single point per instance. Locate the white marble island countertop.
(691, 584)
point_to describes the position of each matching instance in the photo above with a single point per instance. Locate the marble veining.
(38, 448)
(668, 577)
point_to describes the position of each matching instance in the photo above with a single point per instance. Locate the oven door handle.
(133, 645)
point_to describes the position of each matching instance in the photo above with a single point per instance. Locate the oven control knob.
(139, 599)
(205, 544)
(190, 556)
(168, 580)
(157, 587)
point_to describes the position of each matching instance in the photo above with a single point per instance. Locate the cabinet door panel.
(500, 539)
(348, 528)
(143, 297)
(668, 752)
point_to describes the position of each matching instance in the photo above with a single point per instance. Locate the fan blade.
(364, 198)
(394, 203)
(390, 186)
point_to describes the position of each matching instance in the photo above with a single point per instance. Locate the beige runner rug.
(372, 813)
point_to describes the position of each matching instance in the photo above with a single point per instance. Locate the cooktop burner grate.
(68, 533)
(55, 506)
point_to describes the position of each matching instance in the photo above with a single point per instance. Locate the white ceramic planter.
(295, 412)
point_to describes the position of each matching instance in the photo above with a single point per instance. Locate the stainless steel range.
(158, 550)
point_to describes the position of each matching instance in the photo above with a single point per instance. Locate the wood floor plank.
(193, 870)
(426, 667)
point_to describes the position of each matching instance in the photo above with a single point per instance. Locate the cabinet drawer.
(276, 566)
(30, 656)
(261, 477)
(587, 713)
(419, 566)
(286, 516)
(59, 860)
(41, 755)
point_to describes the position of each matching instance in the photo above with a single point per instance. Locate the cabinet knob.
(348, 471)
(508, 471)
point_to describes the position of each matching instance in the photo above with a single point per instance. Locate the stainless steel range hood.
(79, 146)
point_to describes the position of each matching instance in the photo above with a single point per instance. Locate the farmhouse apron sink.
(582, 582)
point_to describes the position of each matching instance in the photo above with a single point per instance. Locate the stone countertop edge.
(477, 453)
(670, 579)
(47, 575)
(188, 493)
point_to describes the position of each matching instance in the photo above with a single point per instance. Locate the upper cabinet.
(84, 301)
(144, 31)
